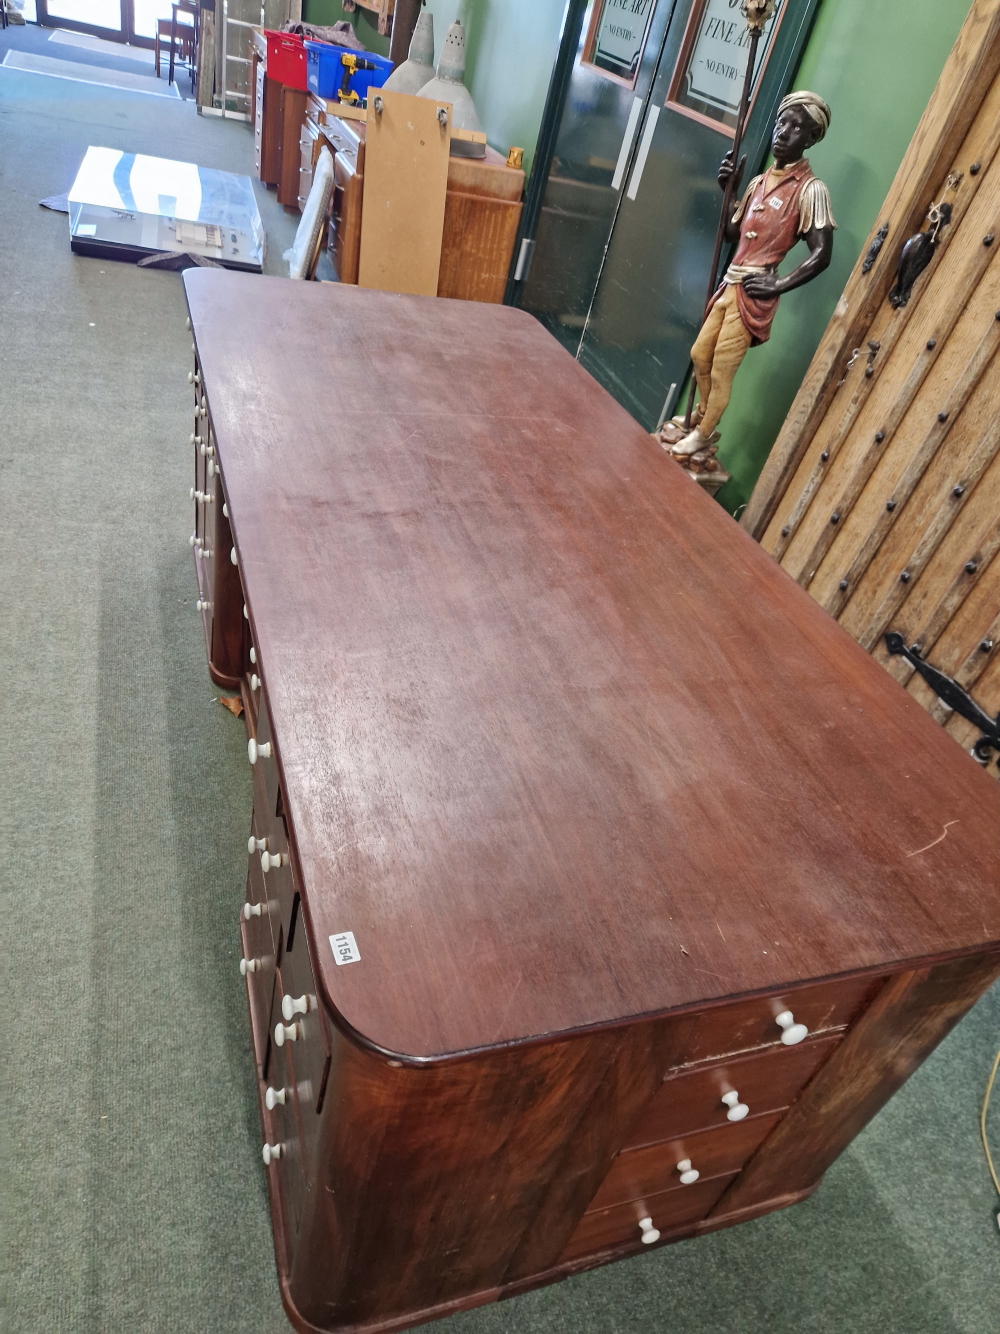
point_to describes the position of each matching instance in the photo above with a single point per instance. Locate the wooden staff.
(756, 17)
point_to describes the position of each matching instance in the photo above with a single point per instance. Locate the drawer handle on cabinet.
(254, 681)
(195, 440)
(251, 910)
(255, 751)
(737, 1110)
(256, 844)
(207, 451)
(248, 966)
(202, 605)
(689, 1174)
(649, 1233)
(194, 540)
(793, 1032)
(246, 614)
(194, 377)
(272, 1097)
(286, 1033)
(293, 1005)
(253, 651)
(233, 556)
(272, 1152)
(270, 861)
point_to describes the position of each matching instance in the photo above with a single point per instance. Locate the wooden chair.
(188, 35)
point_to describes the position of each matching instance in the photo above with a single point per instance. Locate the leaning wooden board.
(882, 494)
(573, 815)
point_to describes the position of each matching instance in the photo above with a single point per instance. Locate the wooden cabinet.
(507, 661)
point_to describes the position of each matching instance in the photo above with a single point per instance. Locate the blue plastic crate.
(325, 71)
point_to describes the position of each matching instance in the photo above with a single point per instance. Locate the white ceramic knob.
(293, 1005)
(286, 1033)
(272, 1152)
(254, 750)
(194, 439)
(206, 553)
(737, 1110)
(270, 861)
(207, 498)
(204, 401)
(190, 377)
(193, 348)
(225, 509)
(232, 556)
(254, 681)
(689, 1174)
(649, 1233)
(273, 1097)
(248, 966)
(212, 469)
(792, 1032)
(256, 844)
(251, 910)
(253, 651)
(187, 323)
(246, 614)
(194, 540)
(202, 605)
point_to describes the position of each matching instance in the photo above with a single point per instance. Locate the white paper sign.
(345, 948)
(718, 62)
(620, 34)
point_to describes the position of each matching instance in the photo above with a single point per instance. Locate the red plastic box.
(286, 59)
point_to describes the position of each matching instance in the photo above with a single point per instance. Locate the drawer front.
(256, 947)
(765, 1082)
(266, 768)
(262, 894)
(619, 1225)
(637, 1173)
(277, 879)
(282, 1124)
(749, 1024)
(308, 1055)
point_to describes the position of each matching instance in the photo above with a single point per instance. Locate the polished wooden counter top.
(558, 742)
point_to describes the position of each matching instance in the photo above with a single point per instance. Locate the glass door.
(132, 21)
(650, 294)
(596, 140)
(102, 18)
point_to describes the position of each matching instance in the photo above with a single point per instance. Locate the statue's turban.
(812, 103)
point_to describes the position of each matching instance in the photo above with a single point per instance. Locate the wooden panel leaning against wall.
(882, 493)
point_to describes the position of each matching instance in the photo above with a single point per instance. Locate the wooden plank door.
(882, 494)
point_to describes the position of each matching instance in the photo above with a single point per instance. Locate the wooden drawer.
(262, 894)
(619, 1226)
(636, 1173)
(282, 1123)
(766, 1082)
(307, 1057)
(277, 878)
(265, 770)
(258, 949)
(737, 1028)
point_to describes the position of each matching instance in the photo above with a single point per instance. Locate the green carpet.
(133, 1189)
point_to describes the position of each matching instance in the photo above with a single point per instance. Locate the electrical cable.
(982, 1122)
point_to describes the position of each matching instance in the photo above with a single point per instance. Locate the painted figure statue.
(786, 203)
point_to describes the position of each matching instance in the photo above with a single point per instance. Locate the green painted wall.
(876, 62)
(510, 48)
(332, 11)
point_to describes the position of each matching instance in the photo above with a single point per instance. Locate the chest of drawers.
(589, 897)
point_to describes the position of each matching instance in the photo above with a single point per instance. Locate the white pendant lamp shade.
(448, 87)
(418, 67)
